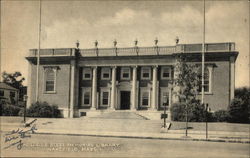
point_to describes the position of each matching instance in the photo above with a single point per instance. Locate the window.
(164, 97)
(165, 72)
(145, 98)
(12, 94)
(87, 74)
(145, 73)
(207, 82)
(50, 79)
(86, 100)
(86, 96)
(105, 98)
(105, 73)
(1, 93)
(125, 73)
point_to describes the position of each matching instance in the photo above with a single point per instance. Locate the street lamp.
(77, 44)
(164, 116)
(207, 110)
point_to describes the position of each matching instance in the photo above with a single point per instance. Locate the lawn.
(212, 126)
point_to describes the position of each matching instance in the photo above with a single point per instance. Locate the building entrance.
(125, 100)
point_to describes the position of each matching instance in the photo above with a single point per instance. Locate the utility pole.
(38, 52)
(203, 55)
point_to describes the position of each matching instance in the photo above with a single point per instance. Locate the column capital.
(155, 66)
(134, 66)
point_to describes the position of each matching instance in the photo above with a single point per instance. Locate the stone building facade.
(89, 81)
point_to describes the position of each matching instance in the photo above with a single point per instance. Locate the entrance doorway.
(125, 100)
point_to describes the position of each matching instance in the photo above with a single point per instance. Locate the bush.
(196, 112)
(9, 110)
(239, 111)
(178, 112)
(42, 109)
(220, 116)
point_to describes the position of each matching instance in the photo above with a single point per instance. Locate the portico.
(124, 89)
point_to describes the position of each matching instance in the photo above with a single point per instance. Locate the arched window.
(50, 80)
(207, 80)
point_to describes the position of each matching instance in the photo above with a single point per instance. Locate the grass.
(212, 126)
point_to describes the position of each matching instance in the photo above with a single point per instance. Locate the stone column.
(72, 88)
(154, 89)
(94, 89)
(113, 89)
(134, 89)
(232, 77)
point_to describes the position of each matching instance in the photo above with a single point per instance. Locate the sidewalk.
(144, 129)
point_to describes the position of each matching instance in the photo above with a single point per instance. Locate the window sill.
(106, 79)
(86, 79)
(50, 92)
(104, 105)
(206, 93)
(165, 78)
(125, 79)
(145, 106)
(86, 105)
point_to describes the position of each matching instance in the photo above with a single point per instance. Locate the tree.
(239, 109)
(186, 85)
(13, 79)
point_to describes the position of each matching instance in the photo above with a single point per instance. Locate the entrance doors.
(125, 100)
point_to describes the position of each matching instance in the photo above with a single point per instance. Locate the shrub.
(9, 110)
(196, 112)
(178, 112)
(42, 109)
(220, 116)
(239, 111)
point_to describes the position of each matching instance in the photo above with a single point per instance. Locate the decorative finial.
(136, 42)
(77, 44)
(156, 41)
(96, 43)
(115, 43)
(177, 40)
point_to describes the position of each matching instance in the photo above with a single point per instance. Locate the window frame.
(145, 90)
(149, 73)
(209, 70)
(107, 69)
(46, 69)
(12, 93)
(103, 90)
(84, 72)
(86, 90)
(162, 72)
(2, 93)
(122, 72)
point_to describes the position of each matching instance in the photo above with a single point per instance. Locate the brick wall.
(61, 97)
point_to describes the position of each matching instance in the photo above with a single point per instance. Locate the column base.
(111, 109)
(93, 108)
(133, 109)
(152, 109)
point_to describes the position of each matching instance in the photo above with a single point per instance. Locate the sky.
(65, 22)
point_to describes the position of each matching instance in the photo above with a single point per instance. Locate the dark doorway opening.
(125, 100)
